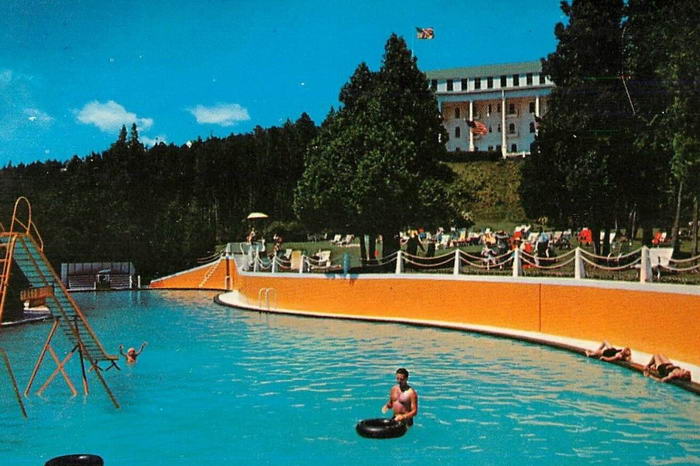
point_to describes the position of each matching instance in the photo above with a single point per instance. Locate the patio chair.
(296, 260)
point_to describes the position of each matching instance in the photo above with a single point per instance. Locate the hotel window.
(498, 148)
(449, 85)
(489, 82)
(532, 126)
(490, 149)
(488, 112)
(532, 107)
(433, 84)
(511, 109)
(477, 83)
(457, 112)
(498, 108)
(514, 148)
(458, 132)
(490, 129)
(503, 81)
(516, 80)
(528, 79)
(541, 78)
(465, 84)
(499, 127)
(511, 128)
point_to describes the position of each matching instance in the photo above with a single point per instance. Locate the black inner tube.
(76, 460)
(380, 428)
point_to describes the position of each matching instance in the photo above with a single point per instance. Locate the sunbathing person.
(607, 352)
(662, 368)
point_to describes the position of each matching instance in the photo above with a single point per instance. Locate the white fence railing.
(648, 263)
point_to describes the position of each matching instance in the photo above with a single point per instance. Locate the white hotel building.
(505, 98)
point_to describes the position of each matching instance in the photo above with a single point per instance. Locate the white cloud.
(150, 142)
(110, 116)
(37, 116)
(220, 114)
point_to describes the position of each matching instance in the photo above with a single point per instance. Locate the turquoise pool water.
(221, 386)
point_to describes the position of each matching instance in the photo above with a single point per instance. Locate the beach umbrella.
(256, 215)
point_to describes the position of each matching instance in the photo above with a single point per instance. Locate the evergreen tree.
(582, 146)
(372, 168)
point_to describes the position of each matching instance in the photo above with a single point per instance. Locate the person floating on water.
(131, 354)
(607, 352)
(403, 399)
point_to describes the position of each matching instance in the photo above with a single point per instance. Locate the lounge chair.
(322, 263)
(336, 239)
(296, 260)
(660, 258)
(659, 238)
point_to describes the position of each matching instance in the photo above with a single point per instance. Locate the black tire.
(381, 428)
(75, 460)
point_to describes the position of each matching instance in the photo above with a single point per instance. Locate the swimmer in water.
(131, 354)
(403, 399)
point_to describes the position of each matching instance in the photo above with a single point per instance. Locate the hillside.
(495, 188)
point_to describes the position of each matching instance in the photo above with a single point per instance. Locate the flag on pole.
(477, 127)
(425, 33)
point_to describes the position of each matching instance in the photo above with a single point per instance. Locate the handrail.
(29, 227)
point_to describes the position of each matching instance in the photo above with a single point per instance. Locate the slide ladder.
(23, 244)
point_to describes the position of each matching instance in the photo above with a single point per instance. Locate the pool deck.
(638, 360)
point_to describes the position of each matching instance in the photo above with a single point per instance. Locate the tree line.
(162, 207)
(619, 146)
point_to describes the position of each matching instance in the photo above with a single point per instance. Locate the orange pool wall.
(643, 319)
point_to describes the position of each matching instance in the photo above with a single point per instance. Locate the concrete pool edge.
(237, 300)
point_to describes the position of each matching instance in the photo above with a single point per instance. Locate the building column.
(504, 147)
(471, 118)
(537, 112)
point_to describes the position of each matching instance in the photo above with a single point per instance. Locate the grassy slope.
(495, 186)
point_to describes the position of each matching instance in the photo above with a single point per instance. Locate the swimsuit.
(610, 352)
(665, 369)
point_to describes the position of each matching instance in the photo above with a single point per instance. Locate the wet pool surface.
(218, 385)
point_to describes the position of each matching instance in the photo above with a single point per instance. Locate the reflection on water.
(218, 385)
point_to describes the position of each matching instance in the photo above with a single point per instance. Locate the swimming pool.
(221, 386)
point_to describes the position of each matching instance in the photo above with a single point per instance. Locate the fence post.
(399, 262)
(301, 265)
(455, 270)
(517, 266)
(646, 274)
(579, 269)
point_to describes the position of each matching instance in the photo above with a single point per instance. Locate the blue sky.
(73, 71)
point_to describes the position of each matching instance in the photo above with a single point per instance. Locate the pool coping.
(638, 360)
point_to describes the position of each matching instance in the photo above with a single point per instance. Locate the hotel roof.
(486, 70)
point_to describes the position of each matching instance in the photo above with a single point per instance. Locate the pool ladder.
(267, 298)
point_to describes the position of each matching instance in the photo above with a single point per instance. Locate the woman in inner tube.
(403, 399)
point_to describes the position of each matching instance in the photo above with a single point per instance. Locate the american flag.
(425, 33)
(477, 127)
